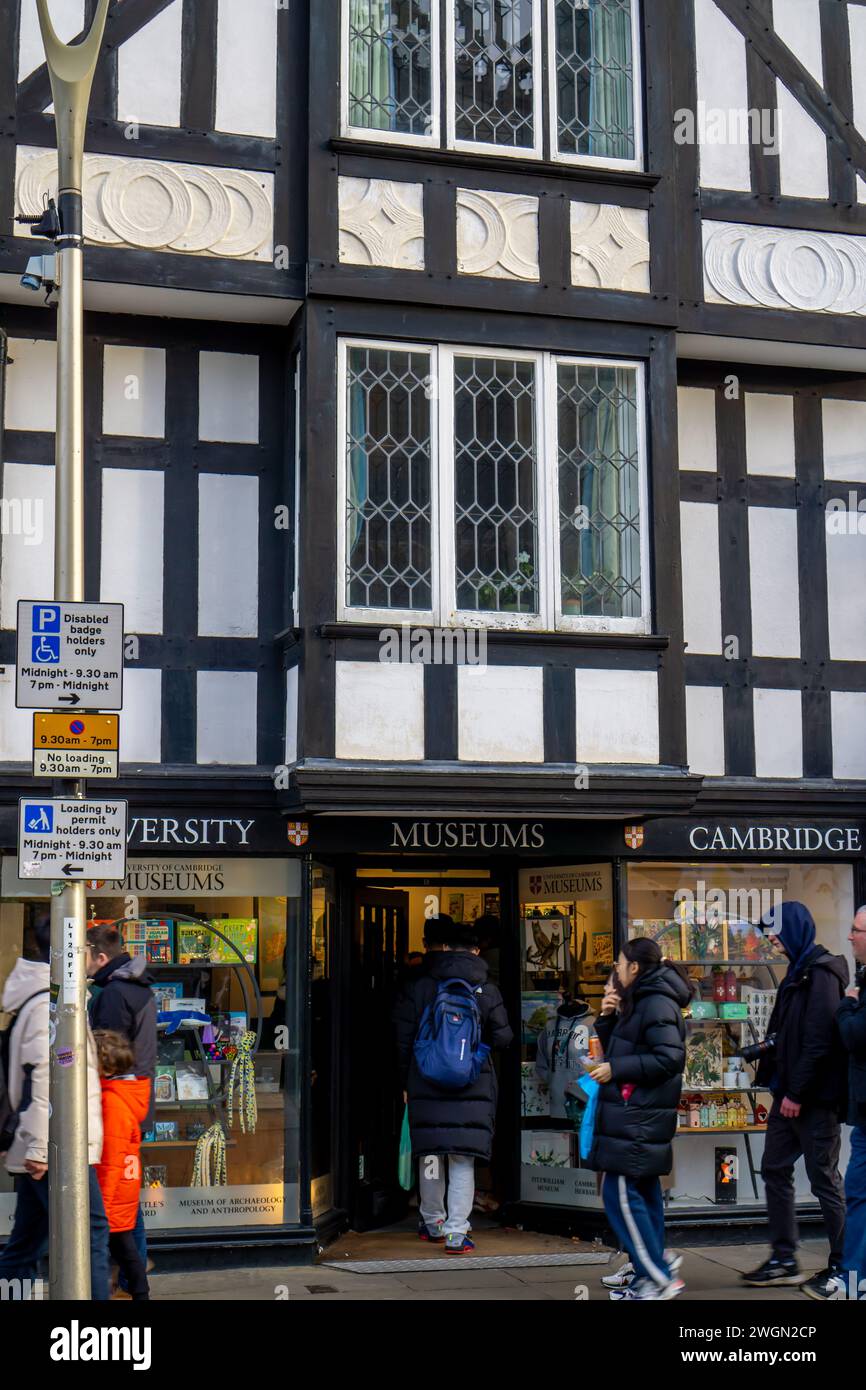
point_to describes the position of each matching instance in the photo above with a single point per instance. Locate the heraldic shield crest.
(298, 832)
(633, 836)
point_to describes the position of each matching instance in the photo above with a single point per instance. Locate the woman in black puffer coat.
(643, 1035)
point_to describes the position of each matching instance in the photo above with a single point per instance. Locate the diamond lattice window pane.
(595, 78)
(388, 487)
(495, 486)
(599, 491)
(494, 72)
(390, 56)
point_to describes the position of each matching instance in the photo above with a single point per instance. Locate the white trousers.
(446, 1186)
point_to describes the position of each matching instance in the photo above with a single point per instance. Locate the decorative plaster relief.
(381, 223)
(497, 235)
(777, 268)
(158, 206)
(610, 247)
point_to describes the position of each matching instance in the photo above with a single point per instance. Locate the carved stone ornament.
(780, 268)
(154, 205)
(497, 235)
(610, 247)
(381, 223)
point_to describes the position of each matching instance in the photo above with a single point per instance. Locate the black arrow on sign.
(73, 869)
(68, 700)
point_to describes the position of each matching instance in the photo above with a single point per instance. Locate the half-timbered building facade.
(476, 404)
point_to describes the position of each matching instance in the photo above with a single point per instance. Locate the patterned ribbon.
(209, 1164)
(243, 1074)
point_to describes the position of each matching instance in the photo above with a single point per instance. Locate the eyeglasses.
(860, 931)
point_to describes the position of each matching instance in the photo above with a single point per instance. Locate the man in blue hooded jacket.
(805, 1071)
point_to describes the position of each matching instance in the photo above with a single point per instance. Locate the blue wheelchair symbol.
(39, 819)
(46, 650)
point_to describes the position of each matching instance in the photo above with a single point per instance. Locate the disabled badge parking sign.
(69, 655)
(71, 839)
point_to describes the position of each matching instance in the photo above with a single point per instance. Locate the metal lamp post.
(71, 71)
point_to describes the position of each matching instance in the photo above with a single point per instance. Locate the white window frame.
(533, 151)
(351, 612)
(591, 160)
(566, 622)
(444, 611)
(392, 137)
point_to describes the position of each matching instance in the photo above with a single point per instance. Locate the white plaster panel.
(497, 234)
(617, 716)
(291, 752)
(778, 733)
(722, 87)
(802, 150)
(141, 723)
(610, 247)
(705, 729)
(696, 426)
(857, 33)
(846, 594)
(67, 18)
(16, 725)
(770, 434)
(381, 223)
(781, 268)
(226, 717)
(158, 205)
(775, 581)
(500, 714)
(798, 24)
(228, 397)
(26, 558)
(246, 91)
(702, 590)
(133, 391)
(848, 721)
(380, 711)
(132, 545)
(31, 384)
(228, 555)
(844, 429)
(148, 71)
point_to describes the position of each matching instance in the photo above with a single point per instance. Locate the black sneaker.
(828, 1286)
(773, 1272)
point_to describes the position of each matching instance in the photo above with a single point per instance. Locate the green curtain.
(611, 117)
(371, 75)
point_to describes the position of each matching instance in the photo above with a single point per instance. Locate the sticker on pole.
(71, 839)
(75, 745)
(69, 655)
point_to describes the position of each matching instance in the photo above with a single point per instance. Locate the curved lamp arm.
(71, 69)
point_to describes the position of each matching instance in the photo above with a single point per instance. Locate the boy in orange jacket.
(125, 1102)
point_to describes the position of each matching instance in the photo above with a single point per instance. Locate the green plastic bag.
(404, 1165)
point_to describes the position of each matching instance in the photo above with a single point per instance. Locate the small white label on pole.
(71, 962)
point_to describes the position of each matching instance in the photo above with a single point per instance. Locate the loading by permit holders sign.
(69, 655)
(71, 839)
(75, 745)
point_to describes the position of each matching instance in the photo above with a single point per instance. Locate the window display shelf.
(722, 1129)
(179, 1143)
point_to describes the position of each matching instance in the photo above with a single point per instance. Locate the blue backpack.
(448, 1047)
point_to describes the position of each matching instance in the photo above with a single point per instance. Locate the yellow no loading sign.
(75, 745)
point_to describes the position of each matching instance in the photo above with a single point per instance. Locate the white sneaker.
(624, 1276)
(645, 1291)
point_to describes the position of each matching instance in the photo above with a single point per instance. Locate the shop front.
(213, 904)
(556, 899)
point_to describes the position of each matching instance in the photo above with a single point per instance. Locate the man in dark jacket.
(124, 1002)
(449, 1129)
(851, 1022)
(805, 1073)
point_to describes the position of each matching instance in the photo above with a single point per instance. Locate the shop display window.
(706, 916)
(222, 1152)
(566, 954)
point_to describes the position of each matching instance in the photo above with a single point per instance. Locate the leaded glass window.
(390, 66)
(495, 492)
(494, 72)
(598, 471)
(595, 78)
(388, 484)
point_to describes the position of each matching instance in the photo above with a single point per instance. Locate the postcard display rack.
(194, 1059)
(555, 967)
(733, 968)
